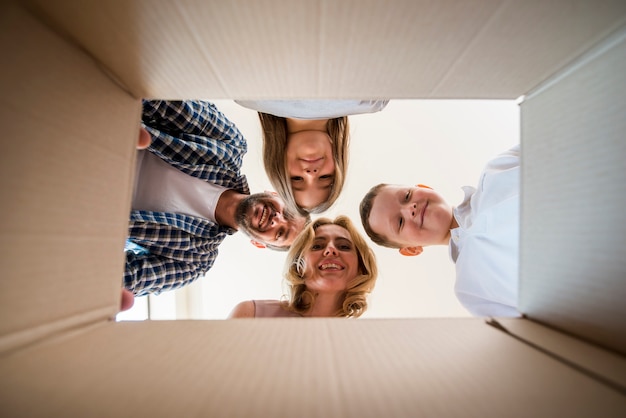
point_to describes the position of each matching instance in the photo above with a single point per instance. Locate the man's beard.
(244, 222)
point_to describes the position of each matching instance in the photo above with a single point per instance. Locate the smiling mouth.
(330, 266)
(422, 215)
(264, 219)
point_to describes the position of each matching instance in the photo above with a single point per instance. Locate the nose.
(312, 166)
(410, 210)
(330, 250)
(277, 218)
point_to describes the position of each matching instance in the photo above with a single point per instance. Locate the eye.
(326, 176)
(279, 234)
(316, 247)
(408, 194)
(400, 223)
(296, 178)
(343, 244)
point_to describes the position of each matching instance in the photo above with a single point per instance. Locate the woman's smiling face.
(331, 261)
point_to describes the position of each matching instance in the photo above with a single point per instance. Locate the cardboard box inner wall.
(573, 197)
(66, 166)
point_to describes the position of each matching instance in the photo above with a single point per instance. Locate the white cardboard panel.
(324, 48)
(293, 367)
(573, 269)
(65, 170)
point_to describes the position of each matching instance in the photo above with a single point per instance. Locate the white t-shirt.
(160, 187)
(314, 109)
(485, 246)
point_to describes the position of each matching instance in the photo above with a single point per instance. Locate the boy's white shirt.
(485, 246)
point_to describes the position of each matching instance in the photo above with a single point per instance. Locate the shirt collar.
(462, 215)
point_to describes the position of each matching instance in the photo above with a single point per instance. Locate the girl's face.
(331, 261)
(310, 166)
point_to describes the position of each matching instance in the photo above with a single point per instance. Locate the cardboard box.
(72, 78)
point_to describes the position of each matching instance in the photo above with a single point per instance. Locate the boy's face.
(411, 216)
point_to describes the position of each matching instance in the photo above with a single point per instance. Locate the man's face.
(265, 218)
(411, 216)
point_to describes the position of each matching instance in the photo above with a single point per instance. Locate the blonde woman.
(305, 147)
(329, 271)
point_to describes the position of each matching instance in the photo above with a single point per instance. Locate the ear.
(423, 186)
(411, 251)
(257, 244)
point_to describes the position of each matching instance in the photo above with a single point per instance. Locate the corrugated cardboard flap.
(573, 235)
(600, 364)
(294, 367)
(68, 143)
(319, 48)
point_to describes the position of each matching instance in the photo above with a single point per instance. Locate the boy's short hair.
(365, 208)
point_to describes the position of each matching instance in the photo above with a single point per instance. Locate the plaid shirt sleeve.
(182, 118)
(153, 274)
(177, 249)
(197, 139)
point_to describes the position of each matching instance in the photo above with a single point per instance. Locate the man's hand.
(128, 300)
(144, 139)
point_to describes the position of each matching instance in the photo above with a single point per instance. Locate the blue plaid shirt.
(166, 251)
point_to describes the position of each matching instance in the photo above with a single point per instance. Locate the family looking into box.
(304, 208)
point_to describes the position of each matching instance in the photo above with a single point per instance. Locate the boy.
(482, 232)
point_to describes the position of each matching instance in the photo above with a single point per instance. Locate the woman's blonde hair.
(274, 158)
(300, 300)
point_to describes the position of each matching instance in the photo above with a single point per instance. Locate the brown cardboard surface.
(573, 234)
(293, 367)
(524, 42)
(366, 49)
(594, 360)
(65, 170)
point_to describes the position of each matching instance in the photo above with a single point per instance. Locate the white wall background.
(443, 144)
